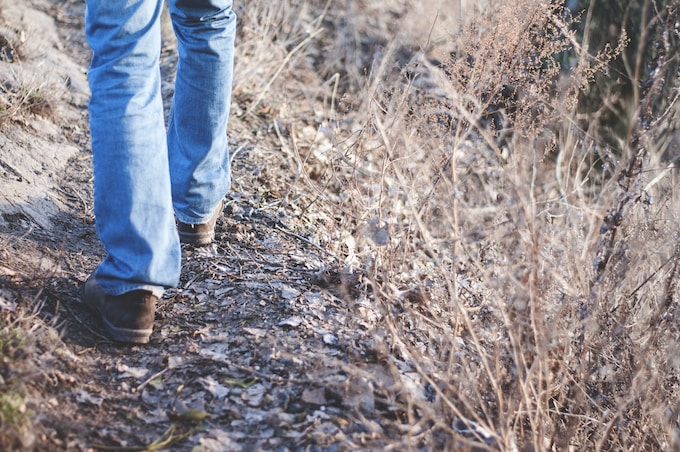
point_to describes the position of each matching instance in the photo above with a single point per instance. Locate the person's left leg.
(197, 130)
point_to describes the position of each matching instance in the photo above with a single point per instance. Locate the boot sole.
(196, 239)
(126, 334)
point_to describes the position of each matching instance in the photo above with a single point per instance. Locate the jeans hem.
(195, 221)
(121, 289)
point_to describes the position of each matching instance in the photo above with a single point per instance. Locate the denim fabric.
(145, 174)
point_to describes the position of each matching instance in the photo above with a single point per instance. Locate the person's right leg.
(197, 129)
(132, 190)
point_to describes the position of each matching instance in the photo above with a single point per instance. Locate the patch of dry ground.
(259, 347)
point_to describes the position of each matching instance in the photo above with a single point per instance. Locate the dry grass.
(14, 416)
(24, 92)
(526, 271)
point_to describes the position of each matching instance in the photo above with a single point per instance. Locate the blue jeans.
(145, 174)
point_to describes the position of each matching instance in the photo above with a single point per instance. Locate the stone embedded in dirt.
(288, 293)
(314, 396)
(330, 339)
(258, 333)
(292, 322)
(213, 387)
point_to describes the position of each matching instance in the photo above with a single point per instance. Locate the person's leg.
(132, 189)
(197, 129)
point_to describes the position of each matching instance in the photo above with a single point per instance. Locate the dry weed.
(22, 92)
(25, 341)
(526, 271)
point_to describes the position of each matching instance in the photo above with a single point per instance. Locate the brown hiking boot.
(199, 234)
(127, 317)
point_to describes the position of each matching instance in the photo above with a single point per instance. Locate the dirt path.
(255, 350)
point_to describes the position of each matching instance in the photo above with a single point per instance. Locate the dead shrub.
(525, 270)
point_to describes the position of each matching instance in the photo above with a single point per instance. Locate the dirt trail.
(254, 350)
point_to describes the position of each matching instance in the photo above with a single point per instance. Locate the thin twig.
(149, 380)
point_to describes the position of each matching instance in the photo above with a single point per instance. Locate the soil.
(266, 343)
